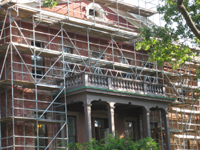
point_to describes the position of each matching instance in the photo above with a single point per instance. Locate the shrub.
(116, 143)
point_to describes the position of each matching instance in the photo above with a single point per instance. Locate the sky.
(149, 4)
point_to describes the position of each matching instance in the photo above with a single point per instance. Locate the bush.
(116, 143)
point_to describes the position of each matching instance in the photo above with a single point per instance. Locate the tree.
(171, 42)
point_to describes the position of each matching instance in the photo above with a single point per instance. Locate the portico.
(103, 106)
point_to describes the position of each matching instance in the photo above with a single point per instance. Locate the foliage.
(172, 15)
(49, 3)
(170, 43)
(160, 48)
(116, 143)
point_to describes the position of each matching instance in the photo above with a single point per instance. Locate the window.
(68, 49)
(125, 61)
(42, 133)
(39, 62)
(129, 131)
(39, 68)
(148, 65)
(93, 12)
(97, 55)
(37, 44)
(101, 129)
(154, 126)
(72, 129)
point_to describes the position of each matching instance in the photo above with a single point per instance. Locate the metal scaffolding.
(30, 33)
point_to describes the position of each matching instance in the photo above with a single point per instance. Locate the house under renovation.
(71, 73)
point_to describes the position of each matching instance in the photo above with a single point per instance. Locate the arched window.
(95, 10)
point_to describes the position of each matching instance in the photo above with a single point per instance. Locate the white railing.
(114, 83)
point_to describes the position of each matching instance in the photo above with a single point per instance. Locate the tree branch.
(188, 19)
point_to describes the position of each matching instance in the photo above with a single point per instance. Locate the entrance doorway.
(101, 129)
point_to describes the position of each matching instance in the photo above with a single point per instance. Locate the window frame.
(75, 126)
(45, 135)
(39, 67)
(67, 48)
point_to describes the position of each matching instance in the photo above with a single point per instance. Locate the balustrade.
(74, 81)
(114, 83)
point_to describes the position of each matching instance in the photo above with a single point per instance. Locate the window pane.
(99, 123)
(39, 60)
(68, 50)
(129, 129)
(71, 126)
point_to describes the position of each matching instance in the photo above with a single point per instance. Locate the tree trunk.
(188, 19)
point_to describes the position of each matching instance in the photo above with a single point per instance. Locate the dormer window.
(95, 10)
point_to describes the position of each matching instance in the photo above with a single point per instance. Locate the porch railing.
(114, 83)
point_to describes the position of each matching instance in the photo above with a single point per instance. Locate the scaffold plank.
(173, 131)
(184, 86)
(27, 84)
(189, 137)
(186, 111)
(30, 120)
(179, 104)
(26, 49)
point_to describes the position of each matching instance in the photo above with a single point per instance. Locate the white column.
(88, 124)
(111, 118)
(147, 123)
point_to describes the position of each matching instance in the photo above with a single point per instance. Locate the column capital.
(87, 107)
(111, 105)
(148, 112)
